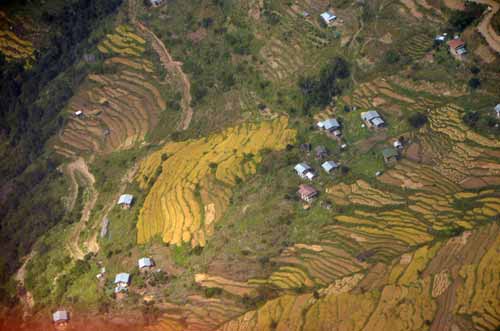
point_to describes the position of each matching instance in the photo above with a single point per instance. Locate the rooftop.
(328, 16)
(145, 262)
(122, 278)
(125, 199)
(456, 43)
(370, 115)
(60, 316)
(302, 167)
(307, 190)
(330, 124)
(329, 166)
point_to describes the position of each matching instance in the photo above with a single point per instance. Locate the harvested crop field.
(118, 108)
(196, 176)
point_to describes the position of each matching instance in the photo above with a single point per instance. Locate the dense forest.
(31, 102)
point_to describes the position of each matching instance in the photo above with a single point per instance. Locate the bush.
(474, 83)
(471, 118)
(417, 120)
(391, 57)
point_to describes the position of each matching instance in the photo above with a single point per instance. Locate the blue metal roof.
(122, 278)
(370, 115)
(60, 316)
(377, 121)
(145, 262)
(329, 166)
(302, 167)
(331, 124)
(126, 199)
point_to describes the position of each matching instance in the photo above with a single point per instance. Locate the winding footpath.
(486, 29)
(176, 66)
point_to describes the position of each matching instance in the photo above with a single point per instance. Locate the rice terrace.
(263, 165)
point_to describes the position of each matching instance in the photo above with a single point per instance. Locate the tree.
(417, 120)
(474, 83)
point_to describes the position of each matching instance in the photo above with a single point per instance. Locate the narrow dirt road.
(74, 248)
(486, 29)
(169, 64)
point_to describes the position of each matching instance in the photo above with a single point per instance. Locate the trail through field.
(486, 28)
(80, 166)
(169, 64)
(25, 297)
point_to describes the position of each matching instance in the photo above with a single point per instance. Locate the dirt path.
(486, 29)
(176, 66)
(25, 297)
(74, 248)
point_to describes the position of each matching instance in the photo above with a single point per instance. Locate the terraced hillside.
(435, 282)
(191, 181)
(120, 106)
(13, 44)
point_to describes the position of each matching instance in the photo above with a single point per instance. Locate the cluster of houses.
(307, 192)
(456, 45)
(122, 280)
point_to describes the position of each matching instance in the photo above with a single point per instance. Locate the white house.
(397, 144)
(125, 201)
(373, 119)
(497, 110)
(305, 171)
(329, 166)
(122, 279)
(60, 317)
(78, 113)
(328, 17)
(145, 262)
(330, 124)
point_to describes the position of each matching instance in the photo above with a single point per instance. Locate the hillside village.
(268, 165)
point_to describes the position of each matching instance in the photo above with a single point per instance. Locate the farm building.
(497, 110)
(330, 124)
(328, 17)
(321, 152)
(373, 119)
(457, 47)
(78, 113)
(125, 201)
(155, 3)
(305, 171)
(145, 263)
(329, 166)
(390, 155)
(60, 317)
(307, 192)
(122, 279)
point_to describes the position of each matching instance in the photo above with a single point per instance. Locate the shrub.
(391, 57)
(474, 83)
(417, 120)
(459, 20)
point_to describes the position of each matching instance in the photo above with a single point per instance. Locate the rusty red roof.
(455, 43)
(307, 190)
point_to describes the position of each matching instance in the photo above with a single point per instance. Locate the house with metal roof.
(60, 316)
(305, 171)
(330, 124)
(373, 119)
(390, 155)
(457, 47)
(329, 166)
(122, 279)
(497, 110)
(145, 263)
(125, 200)
(328, 17)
